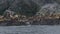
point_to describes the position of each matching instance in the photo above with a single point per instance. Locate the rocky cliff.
(25, 7)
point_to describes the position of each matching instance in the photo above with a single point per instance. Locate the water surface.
(34, 29)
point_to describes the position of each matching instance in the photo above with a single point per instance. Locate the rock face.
(49, 9)
(25, 7)
(22, 6)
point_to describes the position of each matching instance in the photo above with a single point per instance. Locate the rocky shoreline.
(17, 20)
(31, 22)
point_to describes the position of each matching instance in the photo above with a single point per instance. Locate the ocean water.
(30, 29)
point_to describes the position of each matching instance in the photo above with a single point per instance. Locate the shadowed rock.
(25, 7)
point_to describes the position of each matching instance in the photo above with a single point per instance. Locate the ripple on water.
(34, 29)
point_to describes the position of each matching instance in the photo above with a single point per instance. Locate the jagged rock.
(25, 7)
(49, 9)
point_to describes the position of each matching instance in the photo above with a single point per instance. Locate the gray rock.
(49, 9)
(25, 7)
